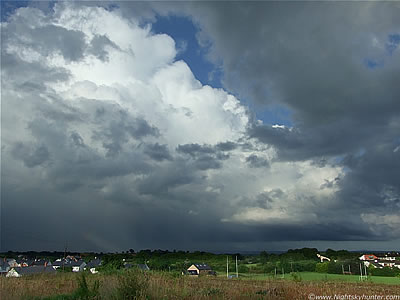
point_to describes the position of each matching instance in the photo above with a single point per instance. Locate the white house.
(77, 266)
(93, 265)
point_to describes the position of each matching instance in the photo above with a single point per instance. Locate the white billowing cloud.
(200, 114)
(286, 193)
(140, 53)
(142, 77)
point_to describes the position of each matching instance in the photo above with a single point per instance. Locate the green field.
(313, 276)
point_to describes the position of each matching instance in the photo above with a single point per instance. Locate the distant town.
(17, 264)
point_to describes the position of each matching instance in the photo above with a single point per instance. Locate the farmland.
(317, 277)
(169, 285)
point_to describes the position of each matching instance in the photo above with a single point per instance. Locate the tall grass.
(163, 285)
(82, 292)
(132, 285)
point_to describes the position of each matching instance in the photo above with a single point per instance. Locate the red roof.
(370, 257)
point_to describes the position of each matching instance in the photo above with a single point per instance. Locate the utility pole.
(365, 273)
(227, 267)
(237, 273)
(65, 253)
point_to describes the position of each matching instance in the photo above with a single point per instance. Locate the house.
(200, 269)
(4, 266)
(59, 263)
(12, 262)
(392, 256)
(73, 258)
(41, 262)
(382, 263)
(24, 262)
(369, 257)
(31, 270)
(93, 265)
(77, 266)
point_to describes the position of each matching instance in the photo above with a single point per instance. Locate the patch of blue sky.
(392, 43)
(8, 8)
(373, 63)
(274, 115)
(183, 31)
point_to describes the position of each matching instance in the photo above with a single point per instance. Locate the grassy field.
(156, 285)
(313, 276)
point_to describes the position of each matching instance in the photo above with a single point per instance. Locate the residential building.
(31, 270)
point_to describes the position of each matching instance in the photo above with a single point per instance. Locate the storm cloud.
(110, 142)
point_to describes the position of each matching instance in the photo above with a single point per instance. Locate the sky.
(215, 126)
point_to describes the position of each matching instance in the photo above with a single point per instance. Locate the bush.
(295, 277)
(334, 268)
(132, 285)
(243, 269)
(321, 267)
(386, 271)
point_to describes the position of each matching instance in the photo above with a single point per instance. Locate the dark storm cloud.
(313, 66)
(195, 149)
(31, 157)
(373, 181)
(158, 152)
(257, 162)
(310, 58)
(322, 141)
(117, 126)
(226, 146)
(206, 156)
